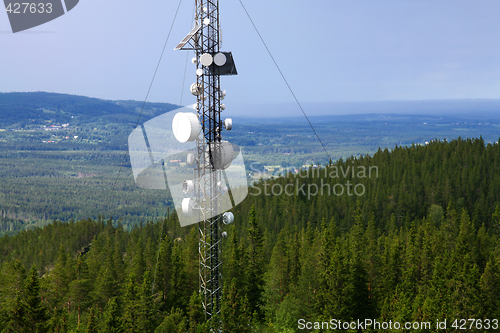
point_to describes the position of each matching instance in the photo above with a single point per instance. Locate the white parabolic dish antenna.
(185, 126)
(206, 59)
(223, 161)
(220, 59)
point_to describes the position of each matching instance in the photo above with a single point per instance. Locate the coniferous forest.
(420, 243)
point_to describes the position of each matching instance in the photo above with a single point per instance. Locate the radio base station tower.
(212, 154)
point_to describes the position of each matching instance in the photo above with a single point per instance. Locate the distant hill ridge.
(19, 106)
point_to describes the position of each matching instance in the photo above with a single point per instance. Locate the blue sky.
(330, 51)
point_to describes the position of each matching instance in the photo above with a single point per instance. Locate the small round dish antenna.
(195, 89)
(187, 186)
(227, 218)
(228, 124)
(220, 187)
(190, 159)
(187, 206)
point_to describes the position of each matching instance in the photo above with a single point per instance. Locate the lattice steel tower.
(212, 153)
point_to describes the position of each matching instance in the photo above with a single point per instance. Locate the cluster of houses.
(55, 127)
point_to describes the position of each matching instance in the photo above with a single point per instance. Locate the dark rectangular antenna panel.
(229, 68)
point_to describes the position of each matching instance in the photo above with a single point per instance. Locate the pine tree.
(358, 298)
(17, 320)
(196, 316)
(465, 280)
(287, 314)
(60, 279)
(307, 290)
(234, 256)
(138, 266)
(163, 275)
(234, 310)
(59, 321)
(333, 294)
(146, 316)
(293, 256)
(80, 288)
(119, 265)
(92, 326)
(130, 311)
(177, 297)
(277, 278)
(111, 318)
(12, 280)
(191, 258)
(255, 272)
(173, 323)
(105, 287)
(35, 313)
(490, 288)
(495, 221)
(333, 274)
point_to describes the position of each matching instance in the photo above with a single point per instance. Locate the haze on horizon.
(331, 52)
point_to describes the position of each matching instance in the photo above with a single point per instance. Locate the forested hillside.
(65, 156)
(60, 156)
(413, 237)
